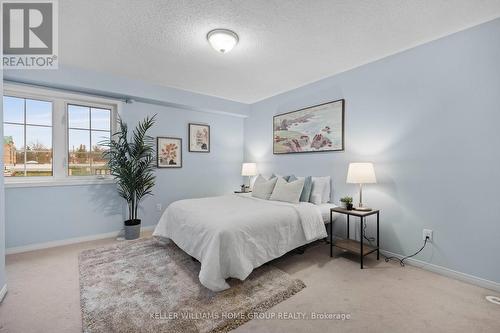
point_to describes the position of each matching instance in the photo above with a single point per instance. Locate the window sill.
(56, 182)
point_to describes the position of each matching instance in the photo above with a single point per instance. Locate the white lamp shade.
(222, 40)
(249, 169)
(361, 173)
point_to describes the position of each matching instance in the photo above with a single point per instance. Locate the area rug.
(142, 286)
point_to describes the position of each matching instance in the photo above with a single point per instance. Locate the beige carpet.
(44, 295)
(142, 286)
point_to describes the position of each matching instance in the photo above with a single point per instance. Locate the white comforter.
(232, 235)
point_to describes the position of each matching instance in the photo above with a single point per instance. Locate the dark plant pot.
(348, 206)
(132, 229)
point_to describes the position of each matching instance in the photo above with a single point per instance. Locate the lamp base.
(360, 206)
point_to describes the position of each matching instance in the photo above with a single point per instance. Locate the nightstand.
(349, 244)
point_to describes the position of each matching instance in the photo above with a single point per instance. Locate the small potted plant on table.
(347, 202)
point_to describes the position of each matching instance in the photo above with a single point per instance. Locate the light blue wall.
(428, 119)
(44, 214)
(202, 174)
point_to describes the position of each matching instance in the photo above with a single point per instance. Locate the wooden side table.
(350, 244)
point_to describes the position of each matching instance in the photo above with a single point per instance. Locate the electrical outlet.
(158, 207)
(427, 233)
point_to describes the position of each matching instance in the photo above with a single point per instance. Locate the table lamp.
(361, 173)
(249, 170)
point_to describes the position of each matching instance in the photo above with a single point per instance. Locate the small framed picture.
(199, 138)
(169, 152)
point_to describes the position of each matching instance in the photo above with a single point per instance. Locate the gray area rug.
(142, 286)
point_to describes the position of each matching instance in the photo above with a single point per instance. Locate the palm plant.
(132, 164)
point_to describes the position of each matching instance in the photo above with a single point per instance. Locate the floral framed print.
(199, 138)
(169, 151)
(317, 128)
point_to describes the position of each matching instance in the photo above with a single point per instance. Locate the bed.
(231, 235)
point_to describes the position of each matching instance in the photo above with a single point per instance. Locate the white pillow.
(327, 190)
(263, 188)
(288, 192)
(320, 192)
(317, 193)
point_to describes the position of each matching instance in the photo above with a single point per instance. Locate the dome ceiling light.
(222, 40)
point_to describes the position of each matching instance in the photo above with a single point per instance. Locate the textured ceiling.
(283, 43)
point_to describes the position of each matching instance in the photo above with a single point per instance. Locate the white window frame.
(60, 134)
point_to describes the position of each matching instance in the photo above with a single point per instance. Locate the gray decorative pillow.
(288, 192)
(306, 191)
(263, 188)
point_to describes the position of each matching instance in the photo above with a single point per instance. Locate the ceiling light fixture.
(222, 40)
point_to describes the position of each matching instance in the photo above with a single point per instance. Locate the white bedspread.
(231, 235)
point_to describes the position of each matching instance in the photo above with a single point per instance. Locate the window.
(50, 136)
(88, 128)
(27, 137)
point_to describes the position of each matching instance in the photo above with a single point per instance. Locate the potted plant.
(132, 165)
(347, 202)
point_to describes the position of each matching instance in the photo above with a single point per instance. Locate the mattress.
(325, 211)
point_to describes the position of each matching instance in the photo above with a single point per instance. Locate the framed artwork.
(199, 138)
(169, 152)
(317, 128)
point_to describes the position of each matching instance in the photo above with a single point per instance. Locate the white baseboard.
(3, 292)
(447, 272)
(477, 281)
(40, 246)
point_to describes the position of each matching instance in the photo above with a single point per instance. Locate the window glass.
(38, 151)
(30, 132)
(89, 127)
(79, 157)
(101, 119)
(13, 110)
(32, 158)
(13, 150)
(99, 163)
(38, 112)
(79, 116)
